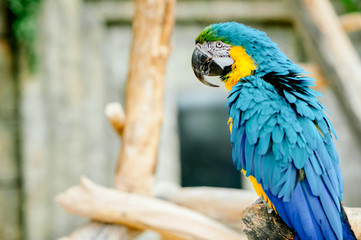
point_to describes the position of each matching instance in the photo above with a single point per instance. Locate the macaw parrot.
(281, 138)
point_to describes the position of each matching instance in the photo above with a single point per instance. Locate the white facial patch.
(218, 51)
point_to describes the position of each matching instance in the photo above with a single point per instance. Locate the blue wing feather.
(274, 136)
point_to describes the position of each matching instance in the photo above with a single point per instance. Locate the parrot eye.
(219, 44)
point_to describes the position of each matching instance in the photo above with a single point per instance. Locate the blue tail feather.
(308, 215)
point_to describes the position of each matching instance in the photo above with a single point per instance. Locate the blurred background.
(62, 61)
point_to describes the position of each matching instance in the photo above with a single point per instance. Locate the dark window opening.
(206, 158)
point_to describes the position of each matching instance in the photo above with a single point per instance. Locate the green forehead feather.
(209, 35)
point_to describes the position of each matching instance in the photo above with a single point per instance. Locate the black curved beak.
(204, 66)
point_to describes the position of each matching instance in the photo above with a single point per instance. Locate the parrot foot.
(261, 200)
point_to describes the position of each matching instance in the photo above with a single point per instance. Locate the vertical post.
(152, 26)
(10, 187)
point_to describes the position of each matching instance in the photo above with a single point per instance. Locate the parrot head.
(232, 51)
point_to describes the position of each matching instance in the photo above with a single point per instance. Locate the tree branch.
(261, 222)
(152, 26)
(111, 206)
(116, 116)
(222, 204)
(102, 231)
(351, 22)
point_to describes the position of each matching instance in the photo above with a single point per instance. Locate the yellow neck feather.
(243, 66)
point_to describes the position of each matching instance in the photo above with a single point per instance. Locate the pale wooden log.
(259, 222)
(334, 52)
(100, 231)
(116, 116)
(152, 26)
(230, 206)
(354, 217)
(351, 22)
(141, 212)
(222, 204)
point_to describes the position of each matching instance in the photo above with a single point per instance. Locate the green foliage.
(352, 5)
(25, 26)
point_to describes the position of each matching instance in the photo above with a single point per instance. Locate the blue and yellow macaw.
(281, 138)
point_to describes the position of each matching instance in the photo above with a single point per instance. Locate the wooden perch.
(115, 113)
(351, 22)
(258, 222)
(97, 231)
(111, 206)
(230, 206)
(354, 217)
(222, 204)
(152, 26)
(330, 46)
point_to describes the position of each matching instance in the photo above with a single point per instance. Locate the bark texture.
(152, 26)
